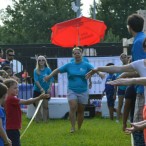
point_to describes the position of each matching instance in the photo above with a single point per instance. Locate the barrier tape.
(39, 104)
(132, 141)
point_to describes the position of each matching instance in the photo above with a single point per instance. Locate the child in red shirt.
(13, 111)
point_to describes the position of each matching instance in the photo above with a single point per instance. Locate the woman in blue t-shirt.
(40, 86)
(77, 86)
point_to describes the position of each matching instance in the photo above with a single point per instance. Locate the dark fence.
(26, 53)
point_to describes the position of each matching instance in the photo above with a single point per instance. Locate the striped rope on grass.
(36, 111)
(132, 140)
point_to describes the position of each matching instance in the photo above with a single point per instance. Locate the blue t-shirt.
(76, 75)
(120, 87)
(109, 89)
(3, 118)
(137, 48)
(39, 77)
(139, 89)
(138, 53)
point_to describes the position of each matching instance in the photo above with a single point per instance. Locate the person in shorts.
(77, 86)
(110, 92)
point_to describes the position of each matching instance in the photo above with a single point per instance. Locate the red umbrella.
(78, 32)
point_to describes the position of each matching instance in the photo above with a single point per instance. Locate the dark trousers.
(14, 136)
(138, 138)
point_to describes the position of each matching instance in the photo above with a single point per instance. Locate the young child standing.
(110, 91)
(13, 111)
(4, 140)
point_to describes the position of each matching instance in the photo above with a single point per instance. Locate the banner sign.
(98, 84)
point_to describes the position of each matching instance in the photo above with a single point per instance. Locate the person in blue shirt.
(135, 25)
(110, 92)
(4, 140)
(139, 104)
(40, 86)
(77, 86)
(86, 60)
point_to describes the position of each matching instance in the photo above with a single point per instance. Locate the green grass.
(95, 132)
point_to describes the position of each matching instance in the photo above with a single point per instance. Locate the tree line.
(29, 21)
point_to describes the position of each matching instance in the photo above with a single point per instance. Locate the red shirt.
(13, 113)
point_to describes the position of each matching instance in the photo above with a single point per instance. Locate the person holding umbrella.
(77, 86)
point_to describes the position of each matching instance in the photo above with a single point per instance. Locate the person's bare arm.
(128, 75)
(110, 69)
(129, 81)
(54, 72)
(32, 100)
(3, 135)
(116, 69)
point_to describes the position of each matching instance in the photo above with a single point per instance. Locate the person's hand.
(129, 130)
(44, 96)
(8, 143)
(133, 128)
(90, 73)
(42, 90)
(46, 78)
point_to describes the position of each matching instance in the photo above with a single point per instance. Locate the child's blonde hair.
(3, 73)
(3, 90)
(10, 82)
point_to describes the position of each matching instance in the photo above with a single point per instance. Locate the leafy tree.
(115, 12)
(110, 37)
(29, 21)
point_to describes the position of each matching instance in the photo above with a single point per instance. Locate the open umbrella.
(81, 31)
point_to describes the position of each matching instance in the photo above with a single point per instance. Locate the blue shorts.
(81, 98)
(110, 100)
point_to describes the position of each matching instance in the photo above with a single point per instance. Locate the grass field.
(95, 132)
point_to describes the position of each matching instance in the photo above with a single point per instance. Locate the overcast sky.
(85, 7)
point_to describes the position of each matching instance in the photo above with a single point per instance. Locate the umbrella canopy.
(81, 31)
